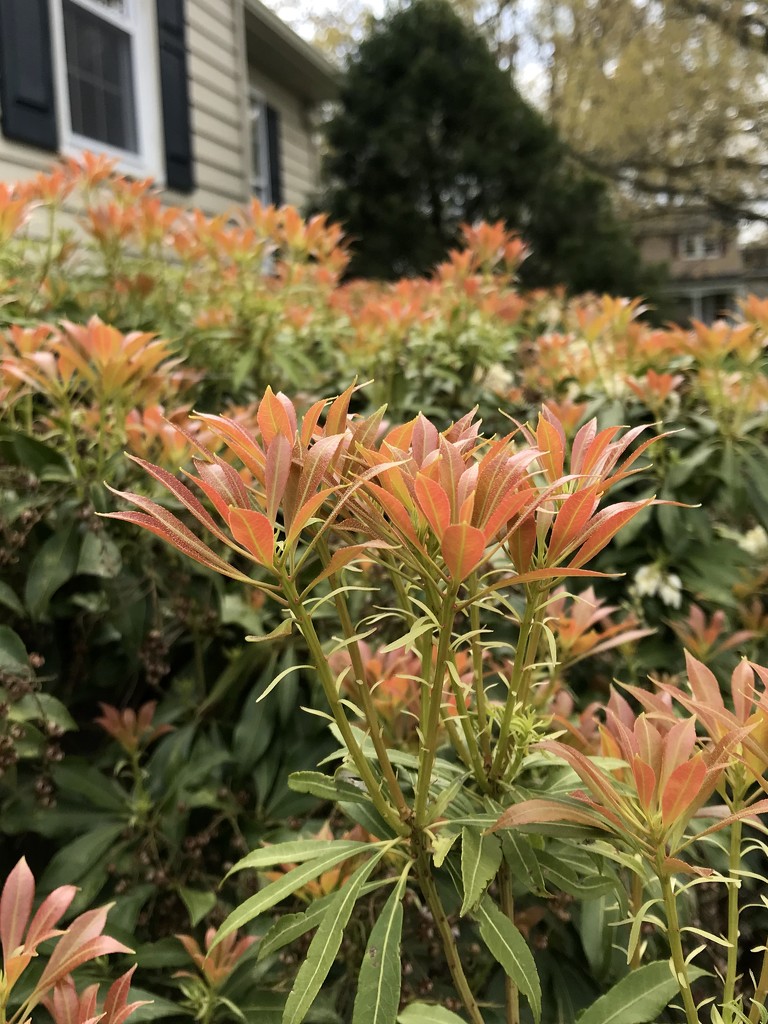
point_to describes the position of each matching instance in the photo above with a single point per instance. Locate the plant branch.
(676, 948)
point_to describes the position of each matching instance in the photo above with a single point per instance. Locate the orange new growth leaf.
(463, 548)
(434, 503)
(255, 533)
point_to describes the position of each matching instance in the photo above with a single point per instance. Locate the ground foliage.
(136, 761)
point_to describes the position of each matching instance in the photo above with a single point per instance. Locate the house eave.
(286, 57)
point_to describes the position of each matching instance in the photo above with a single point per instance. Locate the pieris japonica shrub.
(465, 540)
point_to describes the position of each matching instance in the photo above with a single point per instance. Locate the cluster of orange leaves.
(578, 348)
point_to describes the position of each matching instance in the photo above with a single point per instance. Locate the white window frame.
(259, 178)
(694, 247)
(140, 23)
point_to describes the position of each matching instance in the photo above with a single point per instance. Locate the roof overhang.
(278, 52)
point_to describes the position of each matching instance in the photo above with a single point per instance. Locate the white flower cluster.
(651, 581)
(754, 542)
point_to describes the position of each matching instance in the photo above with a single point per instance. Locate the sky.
(530, 77)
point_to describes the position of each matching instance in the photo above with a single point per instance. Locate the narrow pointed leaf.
(463, 548)
(511, 950)
(682, 789)
(434, 503)
(378, 987)
(255, 533)
(537, 811)
(16, 906)
(296, 851)
(428, 1013)
(480, 860)
(638, 998)
(325, 945)
(290, 927)
(279, 890)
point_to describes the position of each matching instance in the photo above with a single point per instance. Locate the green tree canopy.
(430, 132)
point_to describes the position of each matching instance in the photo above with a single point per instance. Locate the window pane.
(257, 147)
(100, 79)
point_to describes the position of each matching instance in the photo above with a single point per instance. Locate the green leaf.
(283, 887)
(37, 456)
(378, 987)
(638, 998)
(52, 566)
(296, 852)
(75, 860)
(88, 782)
(278, 679)
(99, 556)
(198, 903)
(523, 863)
(13, 653)
(480, 860)
(9, 600)
(511, 950)
(325, 945)
(427, 1013)
(325, 787)
(155, 1008)
(598, 930)
(290, 927)
(35, 707)
(284, 629)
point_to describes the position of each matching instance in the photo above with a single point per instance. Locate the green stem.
(369, 708)
(328, 682)
(758, 1000)
(734, 863)
(470, 737)
(477, 668)
(636, 902)
(508, 906)
(428, 746)
(676, 948)
(517, 690)
(453, 960)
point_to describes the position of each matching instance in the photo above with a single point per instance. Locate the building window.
(701, 247)
(108, 91)
(260, 181)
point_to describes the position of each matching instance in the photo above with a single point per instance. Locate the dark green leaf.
(480, 860)
(75, 860)
(9, 599)
(378, 986)
(325, 945)
(13, 653)
(638, 998)
(198, 903)
(511, 950)
(53, 565)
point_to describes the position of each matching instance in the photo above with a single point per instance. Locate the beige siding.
(299, 154)
(216, 96)
(218, 110)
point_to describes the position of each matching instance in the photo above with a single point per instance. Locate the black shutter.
(177, 134)
(26, 74)
(275, 160)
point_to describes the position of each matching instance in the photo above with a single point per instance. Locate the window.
(701, 247)
(266, 159)
(260, 185)
(108, 90)
(261, 159)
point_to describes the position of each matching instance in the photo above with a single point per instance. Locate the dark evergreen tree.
(430, 132)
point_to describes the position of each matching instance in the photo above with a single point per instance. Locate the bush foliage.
(431, 133)
(144, 745)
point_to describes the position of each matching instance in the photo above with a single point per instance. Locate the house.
(214, 99)
(709, 268)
